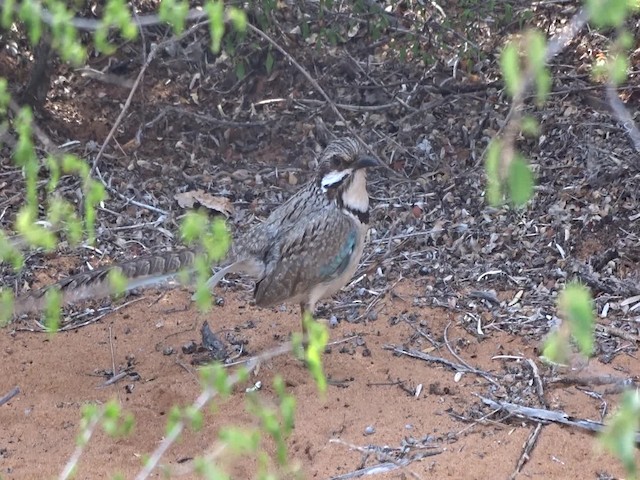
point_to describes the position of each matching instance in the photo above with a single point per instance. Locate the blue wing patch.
(338, 264)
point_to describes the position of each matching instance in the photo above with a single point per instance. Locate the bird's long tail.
(141, 272)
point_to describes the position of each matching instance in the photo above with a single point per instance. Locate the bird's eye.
(335, 162)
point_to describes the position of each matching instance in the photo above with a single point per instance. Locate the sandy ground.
(59, 374)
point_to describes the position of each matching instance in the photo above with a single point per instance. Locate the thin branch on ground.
(382, 453)
(534, 370)
(447, 363)
(546, 416)
(7, 398)
(526, 450)
(590, 381)
(127, 199)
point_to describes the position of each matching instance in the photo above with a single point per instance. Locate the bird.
(306, 250)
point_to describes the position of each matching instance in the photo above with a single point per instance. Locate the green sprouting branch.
(215, 383)
(112, 419)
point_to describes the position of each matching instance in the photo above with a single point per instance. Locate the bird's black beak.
(365, 161)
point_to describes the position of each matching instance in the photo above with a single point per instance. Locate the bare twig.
(113, 354)
(534, 369)
(125, 107)
(85, 436)
(50, 147)
(127, 199)
(447, 363)
(617, 332)
(590, 381)
(545, 416)
(382, 454)
(623, 116)
(511, 126)
(7, 398)
(526, 450)
(312, 81)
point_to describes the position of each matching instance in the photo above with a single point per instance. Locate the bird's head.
(342, 174)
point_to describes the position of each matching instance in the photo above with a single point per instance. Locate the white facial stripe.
(356, 196)
(334, 177)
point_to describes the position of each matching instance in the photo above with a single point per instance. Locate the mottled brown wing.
(306, 203)
(313, 252)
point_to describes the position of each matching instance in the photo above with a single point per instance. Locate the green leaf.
(117, 281)
(576, 306)
(556, 348)
(239, 18)
(215, 376)
(6, 307)
(101, 39)
(25, 156)
(215, 10)
(207, 469)
(241, 70)
(510, 66)
(619, 436)
(536, 49)
(618, 67)
(64, 34)
(173, 419)
(54, 173)
(126, 424)
(34, 234)
(217, 240)
(8, 7)
(174, 13)
(52, 310)
(288, 411)
(492, 167)
(520, 181)
(195, 417)
(73, 165)
(30, 13)
(317, 337)
(116, 14)
(241, 441)
(5, 96)
(211, 237)
(61, 213)
(530, 126)
(625, 39)
(94, 192)
(269, 62)
(609, 13)
(9, 253)
(543, 85)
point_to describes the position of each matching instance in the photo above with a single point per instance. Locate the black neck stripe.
(362, 216)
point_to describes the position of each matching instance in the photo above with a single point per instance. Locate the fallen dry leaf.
(193, 197)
